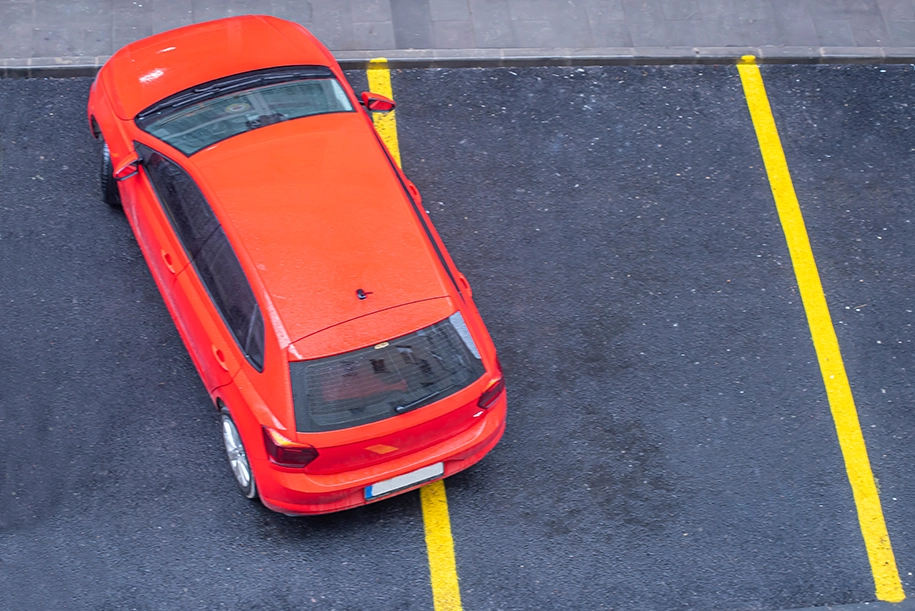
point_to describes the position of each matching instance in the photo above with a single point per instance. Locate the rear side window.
(384, 380)
(209, 250)
(225, 280)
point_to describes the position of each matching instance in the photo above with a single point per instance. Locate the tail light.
(489, 396)
(286, 453)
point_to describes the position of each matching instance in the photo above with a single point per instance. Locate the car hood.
(320, 213)
(154, 68)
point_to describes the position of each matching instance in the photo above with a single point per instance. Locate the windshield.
(196, 118)
(384, 380)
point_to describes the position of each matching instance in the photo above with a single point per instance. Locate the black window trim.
(242, 348)
(192, 262)
(422, 220)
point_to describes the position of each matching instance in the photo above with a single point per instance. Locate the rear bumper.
(306, 494)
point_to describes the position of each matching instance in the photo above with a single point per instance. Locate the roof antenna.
(362, 294)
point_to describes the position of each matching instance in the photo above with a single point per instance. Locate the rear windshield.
(384, 380)
(196, 118)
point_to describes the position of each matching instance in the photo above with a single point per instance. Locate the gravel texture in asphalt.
(669, 443)
(849, 136)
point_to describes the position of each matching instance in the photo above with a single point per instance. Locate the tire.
(238, 458)
(109, 185)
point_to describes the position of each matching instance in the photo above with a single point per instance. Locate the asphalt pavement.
(669, 443)
(850, 141)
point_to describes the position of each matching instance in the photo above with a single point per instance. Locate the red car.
(319, 305)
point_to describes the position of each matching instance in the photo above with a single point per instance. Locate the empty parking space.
(848, 136)
(669, 443)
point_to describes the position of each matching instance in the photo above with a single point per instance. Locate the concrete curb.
(626, 56)
(62, 67)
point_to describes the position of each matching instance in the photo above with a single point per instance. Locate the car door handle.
(414, 193)
(465, 286)
(220, 358)
(168, 261)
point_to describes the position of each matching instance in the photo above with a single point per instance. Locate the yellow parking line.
(445, 591)
(446, 595)
(838, 391)
(385, 122)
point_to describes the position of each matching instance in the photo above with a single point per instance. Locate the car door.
(212, 345)
(208, 337)
(231, 327)
(161, 247)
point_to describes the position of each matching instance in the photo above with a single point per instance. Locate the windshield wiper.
(205, 92)
(400, 409)
(230, 84)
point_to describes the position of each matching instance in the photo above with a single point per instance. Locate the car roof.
(154, 68)
(320, 212)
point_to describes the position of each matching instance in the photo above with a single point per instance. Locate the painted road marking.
(442, 569)
(446, 595)
(838, 390)
(385, 122)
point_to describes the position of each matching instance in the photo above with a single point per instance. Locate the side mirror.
(127, 167)
(377, 103)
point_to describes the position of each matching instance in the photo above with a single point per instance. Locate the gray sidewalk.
(83, 33)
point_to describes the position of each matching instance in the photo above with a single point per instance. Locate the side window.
(209, 250)
(189, 212)
(225, 280)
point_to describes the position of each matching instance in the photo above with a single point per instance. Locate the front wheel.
(109, 185)
(238, 458)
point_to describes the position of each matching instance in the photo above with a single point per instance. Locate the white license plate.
(405, 481)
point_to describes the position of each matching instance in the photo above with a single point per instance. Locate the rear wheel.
(109, 185)
(238, 458)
